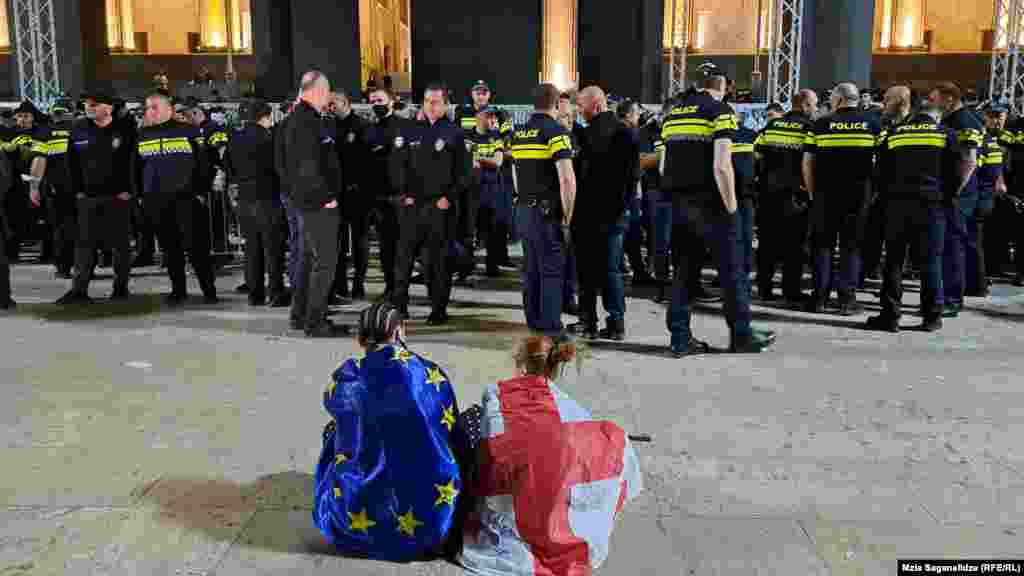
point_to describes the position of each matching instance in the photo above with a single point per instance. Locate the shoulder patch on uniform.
(399, 142)
(351, 137)
(439, 145)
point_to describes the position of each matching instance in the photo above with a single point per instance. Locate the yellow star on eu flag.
(448, 418)
(401, 355)
(446, 493)
(340, 459)
(337, 492)
(358, 362)
(435, 378)
(330, 388)
(408, 523)
(360, 522)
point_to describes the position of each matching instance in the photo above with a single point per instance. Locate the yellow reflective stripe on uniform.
(57, 147)
(780, 138)
(687, 128)
(726, 122)
(217, 138)
(991, 159)
(165, 145)
(40, 147)
(970, 135)
(741, 148)
(659, 145)
(559, 143)
(920, 141)
(531, 152)
(468, 122)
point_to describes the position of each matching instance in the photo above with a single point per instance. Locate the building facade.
(625, 48)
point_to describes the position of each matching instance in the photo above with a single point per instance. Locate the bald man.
(311, 176)
(838, 163)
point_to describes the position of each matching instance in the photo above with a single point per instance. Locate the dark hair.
(438, 87)
(624, 108)
(377, 324)
(948, 90)
(715, 82)
(542, 355)
(565, 96)
(776, 107)
(161, 94)
(545, 97)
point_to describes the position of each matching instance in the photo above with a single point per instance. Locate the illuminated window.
(700, 32)
(765, 27)
(902, 24)
(5, 37)
(216, 26)
(559, 51)
(120, 25)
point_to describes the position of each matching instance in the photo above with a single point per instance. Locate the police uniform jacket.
(688, 137)
(970, 133)
(485, 145)
(465, 118)
(1013, 139)
(743, 161)
(250, 162)
(780, 147)
(307, 160)
(6, 181)
(610, 169)
(536, 148)
(171, 159)
(380, 171)
(432, 161)
(353, 156)
(913, 157)
(27, 145)
(99, 159)
(650, 136)
(990, 165)
(843, 146)
(58, 140)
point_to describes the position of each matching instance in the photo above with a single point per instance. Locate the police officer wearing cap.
(27, 147)
(782, 201)
(465, 116)
(171, 163)
(495, 203)
(100, 157)
(468, 118)
(381, 183)
(696, 166)
(357, 200)
(249, 160)
(914, 158)
(546, 183)
(838, 164)
(746, 191)
(432, 171)
(991, 159)
(60, 202)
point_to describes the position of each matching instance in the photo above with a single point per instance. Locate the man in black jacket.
(354, 155)
(99, 154)
(307, 162)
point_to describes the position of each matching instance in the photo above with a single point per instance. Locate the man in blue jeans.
(610, 157)
(696, 165)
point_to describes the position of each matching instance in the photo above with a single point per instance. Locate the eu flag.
(387, 481)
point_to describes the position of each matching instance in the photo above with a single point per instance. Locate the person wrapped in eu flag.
(388, 482)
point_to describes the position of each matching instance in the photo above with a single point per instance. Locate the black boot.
(616, 330)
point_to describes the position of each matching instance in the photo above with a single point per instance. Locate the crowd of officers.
(852, 181)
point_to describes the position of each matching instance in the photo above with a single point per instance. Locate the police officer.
(351, 131)
(990, 185)
(743, 167)
(782, 202)
(914, 156)
(567, 119)
(60, 202)
(433, 169)
(6, 181)
(696, 165)
(466, 116)
(381, 182)
(838, 164)
(546, 183)
(630, 113)
(99, 176)
(660, 210)
(171, 165)
(250, 164)
(495, 202)
(27, 146)
(963, 203)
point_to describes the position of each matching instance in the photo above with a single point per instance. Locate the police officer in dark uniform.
(171, 164)
(991, 159)
(6, 181)
(381, 182)
(99, 163)
(743, 166)
(914, 156)
(963, 203)
(60, 202)
(487, 149)
(696, 165)
(357, 200)
(782, 201)
(838, 165)
(433, 169)
(465, 116)
(250, 164)
(546, 183)
(464, 263)
(27, 146)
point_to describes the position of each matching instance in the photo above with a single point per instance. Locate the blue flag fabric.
(387, 482)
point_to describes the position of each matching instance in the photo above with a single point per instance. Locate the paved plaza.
(142, 440)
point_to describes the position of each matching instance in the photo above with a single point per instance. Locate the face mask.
(380, 110)
(935, 113)
(90, 114)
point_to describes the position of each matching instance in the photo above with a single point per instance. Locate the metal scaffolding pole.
(1007, 76)
(677, 49)
(784, 50)
(36, 39)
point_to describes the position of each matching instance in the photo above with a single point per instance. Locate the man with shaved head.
(782, 210)
(838, 164)
(307, 162)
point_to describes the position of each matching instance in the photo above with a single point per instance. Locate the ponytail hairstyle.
(545, 356)
(378, 325)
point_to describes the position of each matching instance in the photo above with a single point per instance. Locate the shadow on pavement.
(137, 305)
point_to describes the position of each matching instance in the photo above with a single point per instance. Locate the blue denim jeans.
(543, 272)
(693, 222)
(660, 242)
(295, 244)
(976, 272)
(745, 213)
(954, 256)
(600, 270)
(633, 241)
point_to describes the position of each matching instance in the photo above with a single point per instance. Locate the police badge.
(399, 142)
(115, 143)
(469, 145)
(351, 137)
(439, 145)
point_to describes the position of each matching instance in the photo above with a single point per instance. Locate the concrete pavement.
(139, 440)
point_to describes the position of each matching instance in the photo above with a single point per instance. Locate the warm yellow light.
(702, 25)
(216, 40)
(558, 76)
(886, 24)
(908, 32)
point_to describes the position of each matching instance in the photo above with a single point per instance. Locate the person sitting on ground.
(388, 482)
(549, 479)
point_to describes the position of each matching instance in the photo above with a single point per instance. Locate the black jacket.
(432, 161)
(353, 155)
(6, 181)
(610, 168)
(171, 159)
(306, 159)
(97, 159)
(250, 163)
(380, 173)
